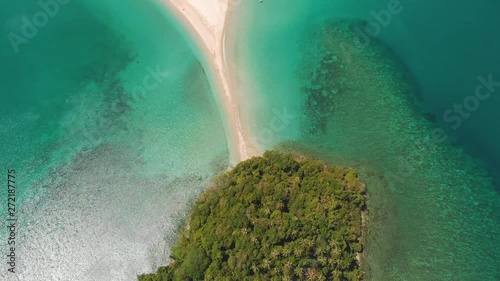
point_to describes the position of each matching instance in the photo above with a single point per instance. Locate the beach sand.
(207, 20)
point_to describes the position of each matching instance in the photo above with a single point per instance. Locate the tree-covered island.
(275, 217)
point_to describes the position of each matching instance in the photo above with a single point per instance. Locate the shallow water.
(110, 123)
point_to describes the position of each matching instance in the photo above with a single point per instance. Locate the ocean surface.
(108, 118)
(373, 84)
(109, 121)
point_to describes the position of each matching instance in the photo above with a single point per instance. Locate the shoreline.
(206, 21)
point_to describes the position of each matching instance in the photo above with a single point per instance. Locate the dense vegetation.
(275, 217)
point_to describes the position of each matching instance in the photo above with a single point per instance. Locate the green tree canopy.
(275, 217)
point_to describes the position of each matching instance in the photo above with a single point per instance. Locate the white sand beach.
(207, 20)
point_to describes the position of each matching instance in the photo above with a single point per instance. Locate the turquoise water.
(108, 159)
(108, 118)
(375, 103)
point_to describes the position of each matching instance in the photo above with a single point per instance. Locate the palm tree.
(336, 251)
(285, 252)
(331, 262)
(311, 274)
(334, 243)
(254, 239)
(280, 205)
(309, 243)
(322, 260)
(297, 252)
(299, 272)
(337, 274)
(267, 263)
(254, 268)
(275, 253)
(244, 231)
(319, 251)
(302, 242)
